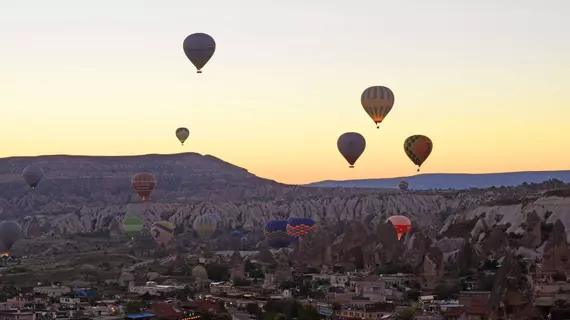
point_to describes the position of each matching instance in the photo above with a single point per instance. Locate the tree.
(447, 290)
(413, 294)
(280, 316)
(308, 313)
(133, 307)
(406, 314)
(240, 282)
(252, 308)
(222, 306)
(217, 272)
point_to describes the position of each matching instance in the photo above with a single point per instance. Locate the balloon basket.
(351, 167)
(199, 71)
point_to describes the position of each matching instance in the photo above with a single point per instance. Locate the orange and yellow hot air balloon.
(418, 148)
(401, 223)
(377, 101)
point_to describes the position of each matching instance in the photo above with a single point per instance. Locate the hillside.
(456, 181)
(89, 196)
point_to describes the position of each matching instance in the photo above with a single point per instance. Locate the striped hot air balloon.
(276, 234)
(300, 227)
(205, 226)
(162, 232)
(377, 101)
(132, 226)
(143, 184)
(403, 185)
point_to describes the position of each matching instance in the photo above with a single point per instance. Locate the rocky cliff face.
(462, 228)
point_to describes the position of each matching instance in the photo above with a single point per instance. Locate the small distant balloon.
(276, 234)
(143, 184)
(402, 225)
(377, 101)
(199, 48)
(182, 134)
(418, 148)
(33, 175)
(351, 145)
(403, 185)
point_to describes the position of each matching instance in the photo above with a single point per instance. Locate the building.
(221, 287)
(368, 311)
(338, 280)
(69, 301)
(152, 288)
(16, 315)
(371, 287)
(37, 301)
(398, 279)
(52, 291)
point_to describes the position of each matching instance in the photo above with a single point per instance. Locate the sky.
(487, 81)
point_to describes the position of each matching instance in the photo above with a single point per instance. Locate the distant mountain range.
(451, 180)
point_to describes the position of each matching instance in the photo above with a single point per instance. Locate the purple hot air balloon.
(199, 48)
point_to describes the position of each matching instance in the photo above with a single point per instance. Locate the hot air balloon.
(33, 175)
(236, 234)
(205, 226)
(418, 148)
(199, 48)
(276, 234)
(377, 101)
(236, 237)
(143, 184)
(401, 223)
(182, 134)
(403, 185)
(133, 226)
(162, 232)
(351, 145)
(10, 231)
(300, 227)
(217, 218)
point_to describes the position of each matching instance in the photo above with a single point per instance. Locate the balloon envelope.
(351, 145)
(133, 226)
(182, 134)
(300, 227)
(377, 101)
(236, 234)
(199, 49)
(276, 234)
(401, 223)
(403, 185)
(143, 184)
(10, 231)
(33, 175)
(162, 232)
(418, 148)
(205, 226)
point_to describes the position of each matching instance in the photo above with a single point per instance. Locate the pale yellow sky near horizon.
(487, 82)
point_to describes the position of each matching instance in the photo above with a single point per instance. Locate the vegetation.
(218, 272)
(394, 268)
(240, 282)
(447, 290)
(289, 309)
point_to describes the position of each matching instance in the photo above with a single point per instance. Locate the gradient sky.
(486, 80)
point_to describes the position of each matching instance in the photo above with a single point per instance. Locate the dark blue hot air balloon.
(236, 234)
(300, 227)
(276, 234)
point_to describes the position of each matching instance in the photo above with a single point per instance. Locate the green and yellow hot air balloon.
(133, 226)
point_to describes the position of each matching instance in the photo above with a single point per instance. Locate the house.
(166, 311)
(52, 291)
(16, 315)
(371, 287)
(368, 311)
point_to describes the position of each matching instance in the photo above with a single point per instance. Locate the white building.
(152, 288)
(69, 301)
(338, 280)
(52, 291)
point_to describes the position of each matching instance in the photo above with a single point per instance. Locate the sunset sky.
(487, 81)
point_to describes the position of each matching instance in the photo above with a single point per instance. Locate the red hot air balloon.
(143, 184)
(401, 224)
